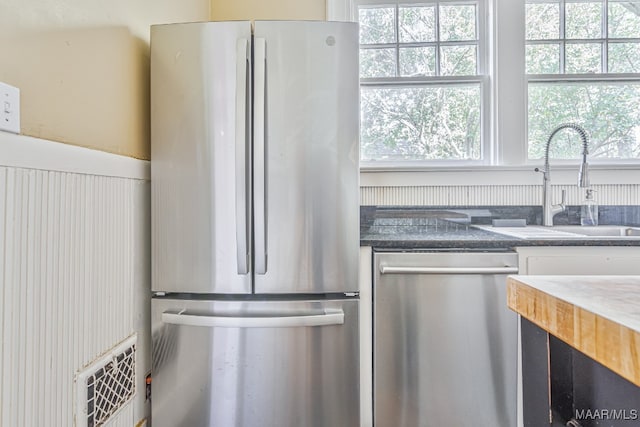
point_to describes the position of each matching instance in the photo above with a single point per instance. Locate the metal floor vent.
(107, 385)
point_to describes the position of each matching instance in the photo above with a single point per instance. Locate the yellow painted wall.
(83, 67)
(268, 9)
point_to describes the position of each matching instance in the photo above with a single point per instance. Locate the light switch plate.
(9, 108)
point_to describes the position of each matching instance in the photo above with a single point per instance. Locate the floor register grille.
(106, 386)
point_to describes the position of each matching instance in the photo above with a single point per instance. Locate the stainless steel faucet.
(549, 210)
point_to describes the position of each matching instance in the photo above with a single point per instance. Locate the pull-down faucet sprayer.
(550, 210)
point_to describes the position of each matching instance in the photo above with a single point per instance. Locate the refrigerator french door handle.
(243, 55)
(329, 317)
(260, 159)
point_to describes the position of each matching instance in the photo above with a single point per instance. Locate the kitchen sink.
(567, 232)
(600, 230)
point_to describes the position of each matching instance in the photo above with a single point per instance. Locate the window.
(423, 81)
(582, 60)
(484, 82)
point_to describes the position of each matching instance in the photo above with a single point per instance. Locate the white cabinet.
(579, 260)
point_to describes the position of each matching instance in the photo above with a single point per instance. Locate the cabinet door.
(592, 260)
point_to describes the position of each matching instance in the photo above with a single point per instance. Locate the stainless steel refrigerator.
(255, 224)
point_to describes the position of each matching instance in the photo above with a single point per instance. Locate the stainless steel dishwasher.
(445, 343)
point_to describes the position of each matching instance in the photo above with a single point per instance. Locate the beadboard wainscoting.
(492, 195)
(74, 277)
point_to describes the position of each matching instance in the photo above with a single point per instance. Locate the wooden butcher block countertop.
(597, 315)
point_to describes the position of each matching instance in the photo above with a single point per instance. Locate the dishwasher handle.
(387, 269)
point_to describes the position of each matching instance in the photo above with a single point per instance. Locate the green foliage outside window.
(422, 90)
(599, 40)
(408, 112)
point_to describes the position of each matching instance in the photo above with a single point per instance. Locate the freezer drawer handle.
(385, 269)
(330, 317)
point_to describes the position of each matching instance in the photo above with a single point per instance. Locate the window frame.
(481, 79)
(564, 77)
(506, 143)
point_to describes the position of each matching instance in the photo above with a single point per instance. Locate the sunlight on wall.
(83, 67)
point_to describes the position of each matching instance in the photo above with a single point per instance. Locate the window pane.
(610, 112)
(543, 21)
(418, 61)
(624, 58)
(420, 123)
(624, 19)
(543, 59)
(458, 23)
(377, 63)
(583, 20)
(583, 58)
(458, 60)
(377, 25)
(417, 24)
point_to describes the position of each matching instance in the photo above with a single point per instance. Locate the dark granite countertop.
(418, 228)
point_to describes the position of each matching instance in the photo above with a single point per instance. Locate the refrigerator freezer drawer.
(255, 363)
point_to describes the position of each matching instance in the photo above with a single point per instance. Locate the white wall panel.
(492, 195)
(73, 280)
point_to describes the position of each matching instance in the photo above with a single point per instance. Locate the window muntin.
(415, 32)
(583, 60)
(421, 79)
